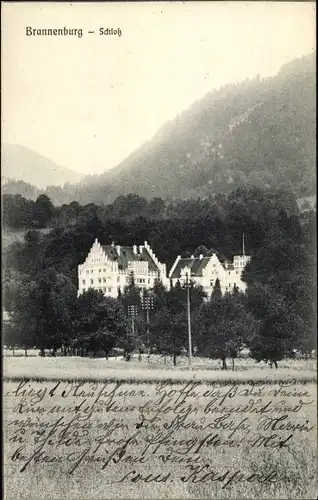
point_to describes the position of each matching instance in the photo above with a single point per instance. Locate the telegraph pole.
(189, 321)
(147, 305)
(133, 325)
(133, 311)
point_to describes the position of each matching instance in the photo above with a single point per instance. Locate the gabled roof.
(126, 255)
(196, 266)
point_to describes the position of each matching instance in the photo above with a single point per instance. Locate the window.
(109, 290)
(148, 281)
(211, 282)
(91, 271)
(92, 282)
(118, 279)
(104, 289)
(104, 270)
(83, 282)
(99, 270)
(230, 285)
(99, 280)
(237, 272)
(87, 272)
(104, 280)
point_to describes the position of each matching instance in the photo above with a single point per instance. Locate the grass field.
(205, 370)
(206, 409)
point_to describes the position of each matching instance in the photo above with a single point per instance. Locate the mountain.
(19, 163)
(256, 133)
(259, 132)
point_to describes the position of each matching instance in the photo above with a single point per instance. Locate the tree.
(43, 211)
(17, 211)
(280, 326)
(101, 322)
(132, 293)
(159, 294)
(54, 297)
(216, 292)
(156, 207)
(169, 325)
(169, 332)
(22, 310)
(226, 327)
(11, 335)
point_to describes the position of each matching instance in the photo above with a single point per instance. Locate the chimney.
(135, 249)
(201, 256)
(118, 249)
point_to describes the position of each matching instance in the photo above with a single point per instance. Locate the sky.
(86, 103)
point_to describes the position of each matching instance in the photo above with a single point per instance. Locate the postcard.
(159, 250)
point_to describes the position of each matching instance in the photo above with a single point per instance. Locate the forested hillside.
(255, 133)
(259, 132)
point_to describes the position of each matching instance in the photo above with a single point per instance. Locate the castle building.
(108, 268)
(204, 271)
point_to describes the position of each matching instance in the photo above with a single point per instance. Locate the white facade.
(204, 271)
(108, 268)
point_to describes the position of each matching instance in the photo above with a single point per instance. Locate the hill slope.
(257, 132)
(23, 164)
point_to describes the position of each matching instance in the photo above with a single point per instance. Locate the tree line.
(22, 213)
(47, 314)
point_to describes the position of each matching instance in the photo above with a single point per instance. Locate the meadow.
(158, 367)
(172, 441)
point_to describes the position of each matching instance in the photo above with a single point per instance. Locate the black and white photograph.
(159, 252)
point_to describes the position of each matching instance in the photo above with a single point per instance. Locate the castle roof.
(126, 254)
(195, 264)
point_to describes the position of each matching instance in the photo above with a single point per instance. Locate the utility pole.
(147, 305)
(133, 311)
(133, 325)
(189, 321)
